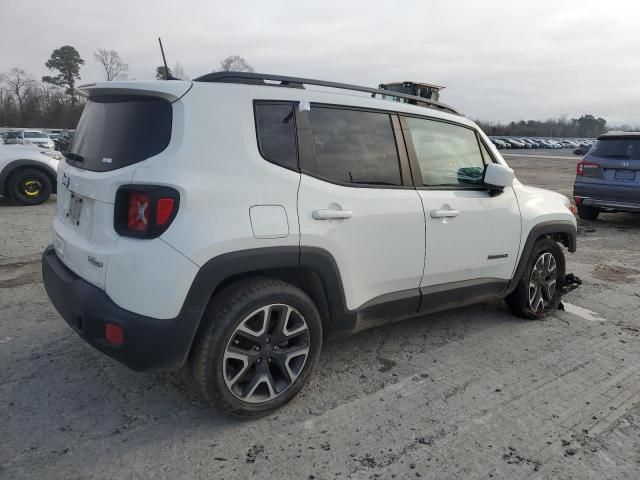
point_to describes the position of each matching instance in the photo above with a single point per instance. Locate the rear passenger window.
(354, 147)
(275, 123)
(449, 155)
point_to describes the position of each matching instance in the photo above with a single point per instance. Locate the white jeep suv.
(305, 214)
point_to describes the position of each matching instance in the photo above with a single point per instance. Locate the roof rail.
(296, 82)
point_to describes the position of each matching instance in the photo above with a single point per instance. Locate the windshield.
(626, 148)
(115, 131)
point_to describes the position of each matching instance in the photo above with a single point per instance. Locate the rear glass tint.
(354, 147)
(115, 131)
(276, 129)
(623, 148)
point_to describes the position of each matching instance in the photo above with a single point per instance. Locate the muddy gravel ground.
(470, 393)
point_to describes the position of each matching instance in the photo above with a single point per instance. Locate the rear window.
(624, 148)
(115, 131)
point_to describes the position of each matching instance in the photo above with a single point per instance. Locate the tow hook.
(571, 282)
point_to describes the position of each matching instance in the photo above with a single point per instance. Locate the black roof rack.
(296, 82)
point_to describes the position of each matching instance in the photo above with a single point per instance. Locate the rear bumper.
(611, 205)
(612, 197)
(149, 343)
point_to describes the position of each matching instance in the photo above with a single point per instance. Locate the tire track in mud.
(21, 273)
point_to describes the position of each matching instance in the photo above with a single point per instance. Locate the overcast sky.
(500, 60)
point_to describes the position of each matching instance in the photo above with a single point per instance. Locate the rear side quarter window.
(276, 133)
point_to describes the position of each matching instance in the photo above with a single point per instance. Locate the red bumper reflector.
(164, 210)
(113, 334)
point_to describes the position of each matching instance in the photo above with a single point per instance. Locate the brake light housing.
(145, 211)
(585, 168)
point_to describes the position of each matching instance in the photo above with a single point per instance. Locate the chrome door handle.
(331, 214)
(444, 213)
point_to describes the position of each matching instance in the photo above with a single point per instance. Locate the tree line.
(53, 101)
(586, 126)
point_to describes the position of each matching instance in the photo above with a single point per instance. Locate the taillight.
(145, 211)
(586, 168)
(138, 212)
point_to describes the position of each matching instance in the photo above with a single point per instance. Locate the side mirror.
(498, 176)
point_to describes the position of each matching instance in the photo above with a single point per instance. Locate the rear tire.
(29, 186)
(588, 213)
(538, 292)
(260, 342)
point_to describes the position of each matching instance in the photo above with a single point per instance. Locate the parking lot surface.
(469, 393)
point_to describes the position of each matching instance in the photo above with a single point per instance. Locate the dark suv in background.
(608, 177)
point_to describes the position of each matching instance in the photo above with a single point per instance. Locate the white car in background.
(28, 172)
(36, 137)
(39, 138)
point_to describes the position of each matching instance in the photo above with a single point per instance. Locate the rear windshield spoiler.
(170, 91)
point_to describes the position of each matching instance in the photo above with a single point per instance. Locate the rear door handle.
(331, 214)
(444, 213)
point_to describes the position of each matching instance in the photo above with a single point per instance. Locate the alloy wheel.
(542, 282)
(266, 353)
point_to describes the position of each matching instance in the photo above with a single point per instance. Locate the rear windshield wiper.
(74, 157)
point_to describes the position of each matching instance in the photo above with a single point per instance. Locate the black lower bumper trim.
(149, 343)
(612, 205)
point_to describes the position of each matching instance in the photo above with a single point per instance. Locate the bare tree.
(235, 63)
(178, 72)
(114, 66)
(21, 85)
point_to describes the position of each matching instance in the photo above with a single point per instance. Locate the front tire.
(588, 213)
(538, 292)
(261, 341)
(29, 186)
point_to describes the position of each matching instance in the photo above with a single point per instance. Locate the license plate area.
(75, 209)
(626, 175)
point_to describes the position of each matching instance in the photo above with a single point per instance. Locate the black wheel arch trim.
(549, 228)
(25, 163)
(220, 269)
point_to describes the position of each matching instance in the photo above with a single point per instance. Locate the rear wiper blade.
(74, 157)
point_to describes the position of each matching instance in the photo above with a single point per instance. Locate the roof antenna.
(167, 72)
